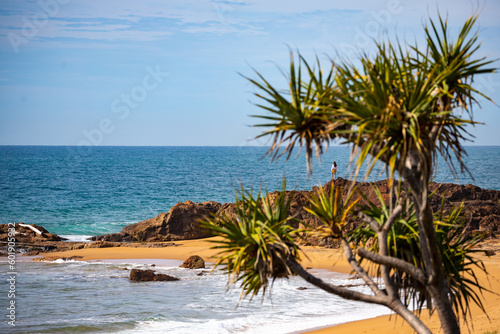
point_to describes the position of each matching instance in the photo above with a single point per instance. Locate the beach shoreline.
(313, 258)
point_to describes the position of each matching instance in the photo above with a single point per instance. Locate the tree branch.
(336, 290)
(395, 213)
(359, 270)
(372, 222)
(396, 263)
(392, 291)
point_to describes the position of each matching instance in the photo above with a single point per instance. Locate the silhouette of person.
(334, 170)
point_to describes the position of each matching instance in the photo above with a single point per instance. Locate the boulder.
(194, 262)
(139, 275)
(165, 277)
(182, 222)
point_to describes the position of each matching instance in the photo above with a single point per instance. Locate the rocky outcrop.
(102, 244)
(194, 262)
(139, 275)
(481, 207)
(114, 237)
(26, 233)
(28, 238)
(180, 223)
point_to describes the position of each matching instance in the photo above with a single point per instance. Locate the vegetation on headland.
(401, 108)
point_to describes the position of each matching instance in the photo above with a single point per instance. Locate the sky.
(172, 72)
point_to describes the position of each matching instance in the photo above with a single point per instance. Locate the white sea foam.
(290, 311)
(199, 303)
(298, 320)
(158, 263)
(77, 238)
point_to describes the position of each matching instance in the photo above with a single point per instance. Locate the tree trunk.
(409, 317)
(437, 282)
(433, 263)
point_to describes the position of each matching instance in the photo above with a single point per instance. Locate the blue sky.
(123, 72)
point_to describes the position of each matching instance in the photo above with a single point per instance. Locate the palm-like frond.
(257, 241)
(402, 242)
(331, 210)
(402, 107)
(400, 104)
(455, 245)
(297, 117)
(385, 105)
(454, 67)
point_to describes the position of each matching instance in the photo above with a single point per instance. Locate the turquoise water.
(97, 190)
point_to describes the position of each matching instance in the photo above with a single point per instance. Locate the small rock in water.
(165, 277)
(139, 275)
(194, 262)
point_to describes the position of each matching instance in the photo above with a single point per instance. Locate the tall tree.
(402, 107)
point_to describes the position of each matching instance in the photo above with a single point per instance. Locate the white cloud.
(148, 20)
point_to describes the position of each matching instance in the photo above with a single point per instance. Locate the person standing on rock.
(334, 170)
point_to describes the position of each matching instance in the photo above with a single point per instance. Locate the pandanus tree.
(401, 108)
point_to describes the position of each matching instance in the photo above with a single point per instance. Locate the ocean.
(97, 297)
(78, 192)
(97, 190)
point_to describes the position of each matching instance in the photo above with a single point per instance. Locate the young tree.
(402, 107)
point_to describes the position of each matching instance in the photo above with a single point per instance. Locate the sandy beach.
(319, 258)
(481, 323)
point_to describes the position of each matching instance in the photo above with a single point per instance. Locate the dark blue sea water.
(97, 190)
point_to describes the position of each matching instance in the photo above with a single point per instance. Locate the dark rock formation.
(228, 209)
(180, 223)
(481, 207)
(26, 233)
(194, 262)
(113, 237)
(29, 238)
(139, 275)
(102, 244)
